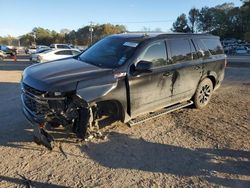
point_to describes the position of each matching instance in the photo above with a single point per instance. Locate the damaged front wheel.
(81, 123)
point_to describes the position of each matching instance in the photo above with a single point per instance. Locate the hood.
(62, 75)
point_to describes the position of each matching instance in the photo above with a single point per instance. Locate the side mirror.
(143, 66)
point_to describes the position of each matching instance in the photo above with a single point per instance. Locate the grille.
(36, 106)
(32, 90)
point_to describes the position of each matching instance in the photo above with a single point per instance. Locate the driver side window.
(155, 53)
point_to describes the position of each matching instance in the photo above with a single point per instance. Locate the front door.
(150, 91)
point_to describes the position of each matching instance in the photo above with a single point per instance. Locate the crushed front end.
(53, 109)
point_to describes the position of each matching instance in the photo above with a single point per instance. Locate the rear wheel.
(203, 93)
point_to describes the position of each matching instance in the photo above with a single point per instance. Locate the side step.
(158, 113)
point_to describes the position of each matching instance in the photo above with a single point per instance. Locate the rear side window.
(64, 52)
(202, 50)
(213, 45)
(155, 53)
(52, 46)
(180, 50)
(74, 52)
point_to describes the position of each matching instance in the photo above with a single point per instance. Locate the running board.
(158, 113)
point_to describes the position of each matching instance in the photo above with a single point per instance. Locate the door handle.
(166, 74)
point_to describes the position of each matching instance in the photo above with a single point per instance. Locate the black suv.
(122, 77)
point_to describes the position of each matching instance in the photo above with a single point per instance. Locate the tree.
(205, 23)
(64, 31)
(193, 18)
(181, 24)
(247, 36)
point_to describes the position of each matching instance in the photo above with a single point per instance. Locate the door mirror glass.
(143, 66)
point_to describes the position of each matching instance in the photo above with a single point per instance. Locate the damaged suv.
(121, 78)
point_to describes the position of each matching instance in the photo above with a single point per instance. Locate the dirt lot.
(187, 148)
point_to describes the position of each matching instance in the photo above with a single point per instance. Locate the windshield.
(110, 52)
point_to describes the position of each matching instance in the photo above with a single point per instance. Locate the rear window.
(180, 50)
(213, 45)
(63, 46)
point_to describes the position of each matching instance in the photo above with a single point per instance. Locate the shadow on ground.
(27, 183)
(122, 151)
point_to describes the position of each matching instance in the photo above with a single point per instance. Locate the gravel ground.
(186, 148)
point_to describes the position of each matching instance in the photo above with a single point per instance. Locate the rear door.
(187, 68)
(213, 57)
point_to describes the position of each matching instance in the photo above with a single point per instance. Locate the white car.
(60, 46)
(56, 54)
(41, 46)
(2, 55)
(248, 48)
(31, 50)
(241, 50)
(33, 56)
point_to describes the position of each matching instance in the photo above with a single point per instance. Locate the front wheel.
(81, 124)
(203, 93)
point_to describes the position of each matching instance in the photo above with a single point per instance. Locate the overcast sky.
(21, 16)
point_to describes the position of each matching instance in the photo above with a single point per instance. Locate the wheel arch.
(212, 76)
(105, 104)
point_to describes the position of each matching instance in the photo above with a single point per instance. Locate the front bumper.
(37, 119)
(40, 136)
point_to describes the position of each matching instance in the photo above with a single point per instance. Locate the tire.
(81, 124)
(203, 93)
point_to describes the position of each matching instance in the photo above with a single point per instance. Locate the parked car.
(41, 46)
(2, 55)
(56, 54)
(120, 78)
(33, 56)
(60, 46)
(31, 50)
(8, 51)
(248, 47)
(241, 50)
